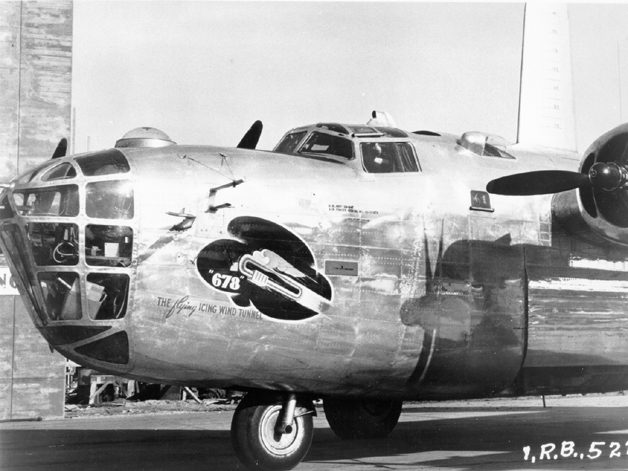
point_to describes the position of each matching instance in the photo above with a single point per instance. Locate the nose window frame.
(110, 199)
(52, 209)
(62, 295)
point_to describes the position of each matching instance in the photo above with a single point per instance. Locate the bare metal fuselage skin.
(312, 275)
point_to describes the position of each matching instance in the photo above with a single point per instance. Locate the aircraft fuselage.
(311, 272)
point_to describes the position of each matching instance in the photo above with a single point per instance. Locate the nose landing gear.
(269, 432)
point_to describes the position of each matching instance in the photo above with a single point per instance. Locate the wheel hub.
(278, 443)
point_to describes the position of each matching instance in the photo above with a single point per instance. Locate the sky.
(204, 71)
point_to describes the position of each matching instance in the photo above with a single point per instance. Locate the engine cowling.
(598, 212)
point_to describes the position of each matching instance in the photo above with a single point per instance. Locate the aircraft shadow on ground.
(458, 438)
(487, 438)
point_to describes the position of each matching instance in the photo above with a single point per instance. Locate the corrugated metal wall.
(35, 113)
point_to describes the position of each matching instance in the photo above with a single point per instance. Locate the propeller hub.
(607, 177)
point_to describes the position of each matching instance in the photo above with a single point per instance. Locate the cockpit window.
(388, 157)
(107, 162)
(363, 130)
(290, 142)
(60, 172)
(320, 143)
(50, 201)
(110, 199)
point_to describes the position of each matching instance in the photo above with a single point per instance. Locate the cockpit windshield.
(290, 142)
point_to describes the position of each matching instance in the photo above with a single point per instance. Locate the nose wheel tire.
(361, 418)
(256, 441)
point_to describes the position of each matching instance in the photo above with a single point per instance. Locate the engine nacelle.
(598, 215)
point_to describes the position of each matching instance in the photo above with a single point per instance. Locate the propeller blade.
(251, 138)
(543, 182)
(61, 149)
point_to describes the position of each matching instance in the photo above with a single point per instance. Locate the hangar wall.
(35, 113)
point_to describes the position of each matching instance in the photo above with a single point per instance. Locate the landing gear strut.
(361, 418)
(271, 432)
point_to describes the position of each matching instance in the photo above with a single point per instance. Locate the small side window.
(29, 177)
(60, 172)
(492, 151)
(289, 143)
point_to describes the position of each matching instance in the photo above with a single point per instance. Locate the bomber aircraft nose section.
(67, 228)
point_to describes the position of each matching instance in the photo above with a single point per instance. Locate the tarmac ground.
(571, 433)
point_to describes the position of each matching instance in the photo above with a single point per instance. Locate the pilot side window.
(388, 157)
(320, 143)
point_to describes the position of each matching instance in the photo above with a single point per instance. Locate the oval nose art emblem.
(267, 266)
